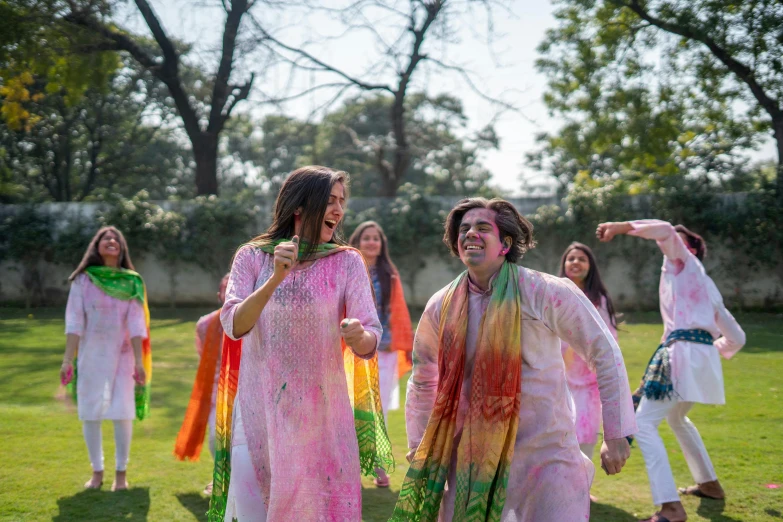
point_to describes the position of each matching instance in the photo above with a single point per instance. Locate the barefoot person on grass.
(686, 367)
(107, 326)
(490, 427)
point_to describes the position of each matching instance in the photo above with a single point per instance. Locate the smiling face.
(478, 243)
(335, 211)
(577, 265)
(109, 248)
(370, 244)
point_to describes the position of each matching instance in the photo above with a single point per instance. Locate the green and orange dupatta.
(363, 391)
(124, 284)
(486, 448)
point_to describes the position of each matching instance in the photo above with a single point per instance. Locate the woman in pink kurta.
(549, 477)
(107, 333)
(578, 264)
(294, 451)
(691, 306)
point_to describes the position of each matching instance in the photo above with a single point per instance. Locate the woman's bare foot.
(711, 489)
(208, 489)
(120, 481)
(671, 511)
(383, 479)
(96, 481)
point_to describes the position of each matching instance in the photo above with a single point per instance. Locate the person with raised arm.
(685, 369)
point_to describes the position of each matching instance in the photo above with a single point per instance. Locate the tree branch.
(742, 71)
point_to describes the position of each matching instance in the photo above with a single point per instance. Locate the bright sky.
(508, 72)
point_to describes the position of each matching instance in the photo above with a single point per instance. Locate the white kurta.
(690, 300)
(550, 478)
(105, 362)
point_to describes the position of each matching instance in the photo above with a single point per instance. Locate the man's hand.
(352, 331)
(614, 454)
(606, 231)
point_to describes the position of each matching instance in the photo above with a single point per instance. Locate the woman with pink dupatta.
(294, 294)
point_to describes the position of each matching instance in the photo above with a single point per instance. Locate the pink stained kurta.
(583, 384)
(105, 361)
(550, 478)
(293, 392)
(689, 299)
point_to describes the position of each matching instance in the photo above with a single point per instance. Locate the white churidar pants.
(648, 417)
(245, 502)
(123, 432)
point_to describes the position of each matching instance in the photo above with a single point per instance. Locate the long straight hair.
(93, 258)
(383, 265)
(307, 188)
(594, 285)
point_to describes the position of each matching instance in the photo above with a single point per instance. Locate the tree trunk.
(205, 153)
(778, 133)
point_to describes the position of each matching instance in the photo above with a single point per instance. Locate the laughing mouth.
(330, 223)
(474, 247)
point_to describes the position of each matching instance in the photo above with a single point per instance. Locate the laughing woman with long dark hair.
(298, 418)
(107, 326)
(579, 265)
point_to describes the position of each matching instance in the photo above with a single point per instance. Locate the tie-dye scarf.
(486, 447)
(124, 284)
(363, 392)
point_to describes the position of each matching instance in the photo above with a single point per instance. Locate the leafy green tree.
(652, 88)
(91, 31)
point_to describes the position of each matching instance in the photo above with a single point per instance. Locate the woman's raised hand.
(285, 258)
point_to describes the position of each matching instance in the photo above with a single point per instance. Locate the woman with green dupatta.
(106, 326)
(300, 418)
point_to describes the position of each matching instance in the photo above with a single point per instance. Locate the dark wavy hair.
(508, 219)
(594, 285)
(308, 188)
(93, 258)
(383, 265)
(695, 241)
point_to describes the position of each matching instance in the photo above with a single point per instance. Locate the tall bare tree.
(411, 36)
(203, 125)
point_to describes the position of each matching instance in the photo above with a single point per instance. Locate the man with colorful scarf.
(489, 416)
(685, 368)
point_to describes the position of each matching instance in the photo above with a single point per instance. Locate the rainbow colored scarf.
(124, 284)
(191, 435)
(486, 447)
(363, 391)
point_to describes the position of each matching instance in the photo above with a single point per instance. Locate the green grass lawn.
(43, 460)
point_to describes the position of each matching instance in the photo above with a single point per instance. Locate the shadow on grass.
(196, 503)
(131, 505)
(378, 502)
(712, 510)
(605, 512)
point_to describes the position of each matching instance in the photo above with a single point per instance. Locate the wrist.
(67, 361)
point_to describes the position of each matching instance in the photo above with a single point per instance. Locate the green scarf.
(321, 250)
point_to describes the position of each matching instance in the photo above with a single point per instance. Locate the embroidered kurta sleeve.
(733, 336)
(359, 302)
(664, 234)
(423, 382)
(74, 310)
(137, 323)
(571, 316)
(241, 283)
